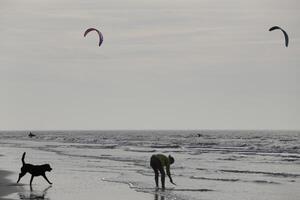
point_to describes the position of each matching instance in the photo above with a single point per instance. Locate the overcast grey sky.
(164, 64)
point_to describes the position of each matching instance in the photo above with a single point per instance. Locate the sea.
(209, 164)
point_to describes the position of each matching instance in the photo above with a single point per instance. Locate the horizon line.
(154, 129)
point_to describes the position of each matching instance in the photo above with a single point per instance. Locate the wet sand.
(72, 179)
(7, 187)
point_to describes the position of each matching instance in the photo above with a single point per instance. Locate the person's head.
(171, 159)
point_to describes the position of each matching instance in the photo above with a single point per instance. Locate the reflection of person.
(156, 197)
(158, 162)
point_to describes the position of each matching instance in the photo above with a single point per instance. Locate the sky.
(180, 64)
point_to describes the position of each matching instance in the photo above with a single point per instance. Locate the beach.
(72, 179)
(95, 88)
(115, 165)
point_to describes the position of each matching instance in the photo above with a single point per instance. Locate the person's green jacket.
(164, 160)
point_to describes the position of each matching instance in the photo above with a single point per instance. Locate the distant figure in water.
(199, 135)
(158, 162)
(31, 135)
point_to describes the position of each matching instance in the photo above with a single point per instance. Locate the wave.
(104, 146)
(166, 146)
(224, 141)
(265, 182)
(232, 158)
(234, 180)
(215, 179)
(202, 169)
(189, 190)
(276, 174)
(168, 193)
(140, 150)
(172, 189)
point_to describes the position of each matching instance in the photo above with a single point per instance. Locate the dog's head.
(48, 168)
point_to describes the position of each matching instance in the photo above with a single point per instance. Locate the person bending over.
(158, 162)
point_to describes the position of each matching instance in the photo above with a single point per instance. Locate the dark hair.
(171, 159)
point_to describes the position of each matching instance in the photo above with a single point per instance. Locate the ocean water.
(208, 164)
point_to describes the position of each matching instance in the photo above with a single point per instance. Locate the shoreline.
(7, 187)
(69, 182)
(79, 167)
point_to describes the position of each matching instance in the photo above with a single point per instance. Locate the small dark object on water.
(31, 135)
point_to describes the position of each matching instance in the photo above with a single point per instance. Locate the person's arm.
(169, 174)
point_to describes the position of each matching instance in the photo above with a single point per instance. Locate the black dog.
(34, 170)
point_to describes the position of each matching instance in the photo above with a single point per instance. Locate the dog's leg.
(31, 180)
(44, 175)
(20, 176)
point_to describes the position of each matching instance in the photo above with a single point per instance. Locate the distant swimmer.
(158, 162)
(31, 135)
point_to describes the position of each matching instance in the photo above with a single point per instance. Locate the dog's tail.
(23, 158)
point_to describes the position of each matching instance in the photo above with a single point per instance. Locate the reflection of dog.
(34, 170)
(34, 194)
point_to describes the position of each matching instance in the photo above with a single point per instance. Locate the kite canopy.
(99, 34)
(283, 31)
